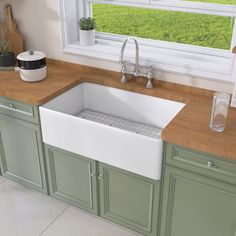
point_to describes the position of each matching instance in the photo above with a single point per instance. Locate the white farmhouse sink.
(110, 125)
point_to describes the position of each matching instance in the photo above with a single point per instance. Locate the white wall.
(38, 21)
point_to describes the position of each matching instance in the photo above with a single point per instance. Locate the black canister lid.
(32, 65)
(31, 60)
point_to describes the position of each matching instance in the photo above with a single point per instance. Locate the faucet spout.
(136, 68)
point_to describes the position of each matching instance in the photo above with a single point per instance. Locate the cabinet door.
(194, 205)
(129, 199)
(72, 178)
(21, 152)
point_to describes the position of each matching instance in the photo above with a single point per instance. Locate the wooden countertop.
(190, 128)
(59, 79)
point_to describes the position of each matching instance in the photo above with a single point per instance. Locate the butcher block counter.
(190, 128)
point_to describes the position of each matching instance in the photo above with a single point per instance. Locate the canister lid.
(31, 55)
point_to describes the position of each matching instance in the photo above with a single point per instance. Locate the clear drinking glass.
(219, 111)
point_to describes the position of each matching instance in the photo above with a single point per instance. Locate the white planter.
(87, 37)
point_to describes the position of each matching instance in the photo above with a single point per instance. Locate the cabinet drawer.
(18, 110)
(201, 163)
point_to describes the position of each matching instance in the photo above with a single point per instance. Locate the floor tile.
(74, 222)
(2, 179)
(24, 212)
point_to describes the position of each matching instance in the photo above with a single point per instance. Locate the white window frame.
(165, 56)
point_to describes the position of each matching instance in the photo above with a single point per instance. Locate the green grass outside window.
(188, 28)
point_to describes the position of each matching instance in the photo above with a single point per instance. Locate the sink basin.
(110, 125)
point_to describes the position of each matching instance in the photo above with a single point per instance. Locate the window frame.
(108, 45)
(177, 5)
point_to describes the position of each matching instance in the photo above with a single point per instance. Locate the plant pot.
(87, 37)
(7, 59)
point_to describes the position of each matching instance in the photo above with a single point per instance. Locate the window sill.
(167, 57)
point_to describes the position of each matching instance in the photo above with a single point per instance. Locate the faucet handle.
(150, 76)
(150, 72)
(123, 72)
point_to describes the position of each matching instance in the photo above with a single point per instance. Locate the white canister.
(32, 66)
(87, 37)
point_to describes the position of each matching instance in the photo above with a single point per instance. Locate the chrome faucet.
(136, 72)
(136, 67)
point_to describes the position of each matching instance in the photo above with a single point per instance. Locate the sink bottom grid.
(117, 122)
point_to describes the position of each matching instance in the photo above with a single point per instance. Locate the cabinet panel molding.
(72, 178)
(201, 163)
(21, 152)
(129, 199)
(197, 205)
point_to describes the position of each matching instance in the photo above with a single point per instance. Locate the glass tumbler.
(219, 111)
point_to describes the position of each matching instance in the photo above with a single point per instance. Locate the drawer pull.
(210, 164)
(11, 106)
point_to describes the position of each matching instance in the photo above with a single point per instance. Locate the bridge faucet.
(137, 68)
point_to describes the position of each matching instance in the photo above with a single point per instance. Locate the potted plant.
(7, 57)
(87, 31)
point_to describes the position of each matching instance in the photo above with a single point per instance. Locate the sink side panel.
(70, 102)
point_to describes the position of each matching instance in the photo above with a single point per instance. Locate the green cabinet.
(193, 202)
(21, 148)
(72, 178)
(129, 199)
(114, 194)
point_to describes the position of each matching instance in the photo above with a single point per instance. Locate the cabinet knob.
(11, 105)
(92, 174)
(100, 177)
(210, 164)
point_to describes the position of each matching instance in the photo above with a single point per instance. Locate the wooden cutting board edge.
(11, 32)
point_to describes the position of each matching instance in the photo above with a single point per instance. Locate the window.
(174, 35)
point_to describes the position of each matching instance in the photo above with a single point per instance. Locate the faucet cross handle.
(123, 72)
(150, 76)
(150, 72)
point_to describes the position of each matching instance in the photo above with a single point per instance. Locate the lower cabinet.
(21, 152)
(198, 194)
(72, 178)
(116, 195)
(129, 199)
(195, 205)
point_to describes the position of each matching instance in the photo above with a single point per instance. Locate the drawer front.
(19, 110)
(201, 163)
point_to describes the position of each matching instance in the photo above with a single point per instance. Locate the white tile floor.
(24, 212)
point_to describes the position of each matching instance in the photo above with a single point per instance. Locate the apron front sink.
(114, 126)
